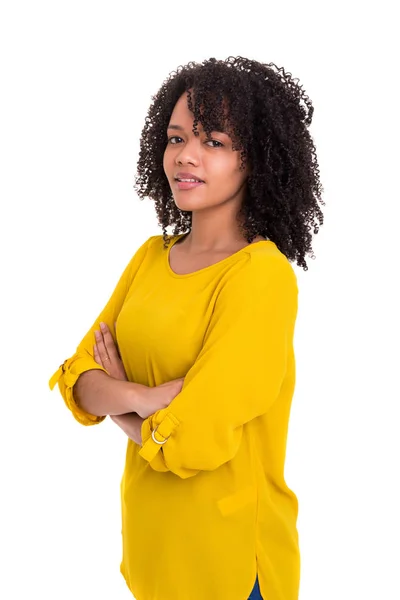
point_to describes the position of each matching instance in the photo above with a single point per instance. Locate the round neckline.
(224, 260)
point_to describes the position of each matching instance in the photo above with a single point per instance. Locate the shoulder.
(144, 247)
(262, 267)
(140, 253)
(261, 282)
(157, 241)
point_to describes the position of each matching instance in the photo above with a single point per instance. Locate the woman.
(192, 356)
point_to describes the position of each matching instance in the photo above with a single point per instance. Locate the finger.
(101, 347)
(109, 343)
(97, 356)
(116, 343)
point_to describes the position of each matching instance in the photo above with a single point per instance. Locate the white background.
(76, 80)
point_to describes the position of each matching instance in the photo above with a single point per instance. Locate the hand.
(106, 353)
(131, 424)
(155, 398)
(152, 399)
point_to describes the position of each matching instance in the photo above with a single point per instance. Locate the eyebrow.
(180, 128)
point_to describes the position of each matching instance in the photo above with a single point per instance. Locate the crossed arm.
(106, 354)
(247, 354)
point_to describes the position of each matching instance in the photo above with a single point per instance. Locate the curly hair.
(268, 115)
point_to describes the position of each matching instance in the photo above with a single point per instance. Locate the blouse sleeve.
(83, 359)
(237, 375)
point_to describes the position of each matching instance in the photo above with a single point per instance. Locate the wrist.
(131, 424)
(135, 392)
(137, 437)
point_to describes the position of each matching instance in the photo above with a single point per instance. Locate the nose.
(188, 153)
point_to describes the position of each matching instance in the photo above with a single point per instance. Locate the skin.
(106, 354)
(214, 204)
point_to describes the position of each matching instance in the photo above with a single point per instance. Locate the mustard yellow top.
(206, 511)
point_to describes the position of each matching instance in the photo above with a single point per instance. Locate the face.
(210, 159)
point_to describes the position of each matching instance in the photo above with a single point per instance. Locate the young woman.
(192, 356)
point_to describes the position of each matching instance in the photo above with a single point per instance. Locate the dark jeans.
(256, 594)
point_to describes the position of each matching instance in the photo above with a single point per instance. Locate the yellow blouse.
(208, 510)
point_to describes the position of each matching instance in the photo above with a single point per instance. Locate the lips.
(188, 185)
(182, 175)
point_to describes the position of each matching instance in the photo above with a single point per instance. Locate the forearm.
(131, 424)
(99, 394)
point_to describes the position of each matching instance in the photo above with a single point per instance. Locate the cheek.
(169, 156)
(226, 172)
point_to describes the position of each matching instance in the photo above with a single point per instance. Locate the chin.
(182, 203)
(190, 206)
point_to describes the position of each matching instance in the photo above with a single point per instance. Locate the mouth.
(188, 184)
(189, 179)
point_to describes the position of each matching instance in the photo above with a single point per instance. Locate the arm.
(237, 375)
(106, 352)
(131, 424)
(97, 393)
(83, 360)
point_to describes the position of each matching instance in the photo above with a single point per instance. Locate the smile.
(188, 184)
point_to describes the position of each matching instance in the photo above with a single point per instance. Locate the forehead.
(181, 109)
(183, 116)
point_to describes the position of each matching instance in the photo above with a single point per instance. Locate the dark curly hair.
(268, 115)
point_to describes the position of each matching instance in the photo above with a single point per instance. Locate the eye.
(175, 137)
(215, 142)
